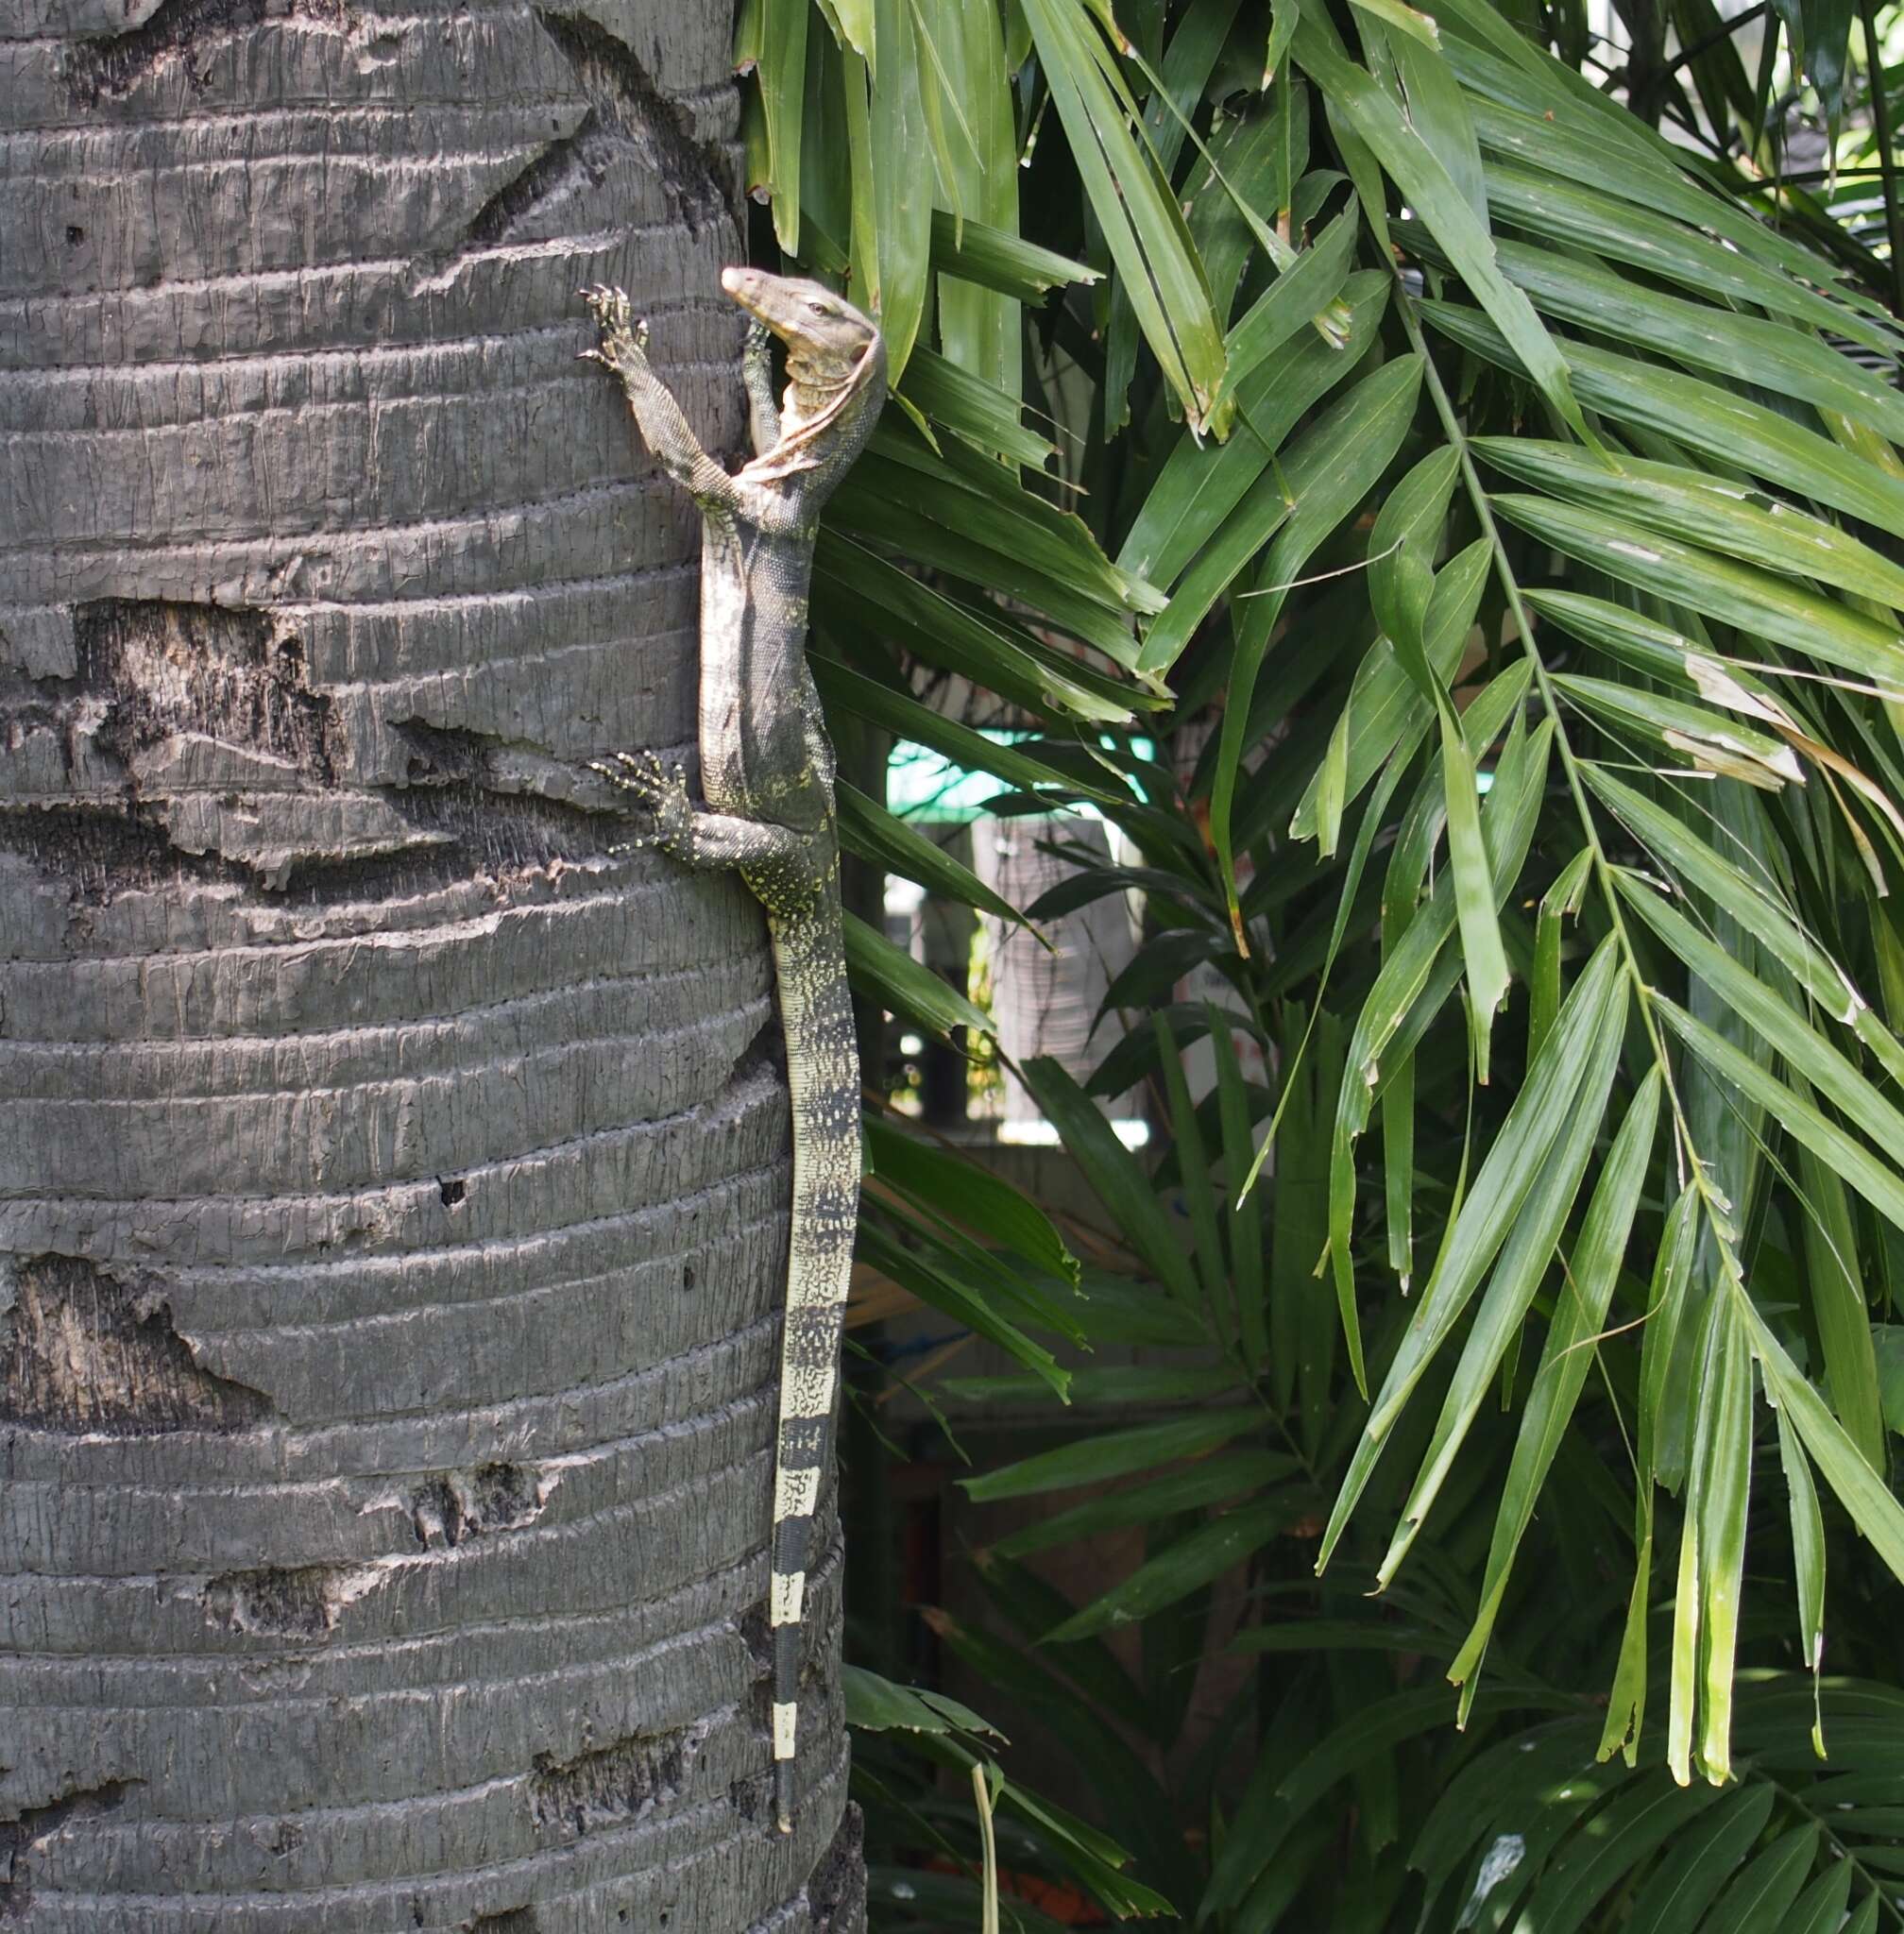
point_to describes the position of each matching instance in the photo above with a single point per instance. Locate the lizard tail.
(823, 1075)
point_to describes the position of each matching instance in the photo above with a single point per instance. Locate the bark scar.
(278, 1602)
(628, 107)
(115, 63)
(22, 1835)
(81, 1350)
(615, 1783)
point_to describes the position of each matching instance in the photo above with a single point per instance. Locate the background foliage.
(1487, 509)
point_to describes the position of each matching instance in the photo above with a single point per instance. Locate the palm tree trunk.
(393, 1178)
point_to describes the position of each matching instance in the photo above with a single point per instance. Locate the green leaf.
(1429, 188)
(1093, 1855)
(1877, 1183)
(1677, 849)
(1386, 708)
(1142, 223)
(1758, 1900)
(877, 1705)
(1860, 1489)
(1211, 1480)
(1579, 1314)
(1752, 599)
(1556, 1090)
(972, 407)
(1807, 1560)
(1712, 512)
(1202, 484)
(1543, 992)
(1531, 1243)
(1888, 1340)
(1805, 1050)
(1771, 355)
(1115, 1385)
(995, 545)
(1581, 217)
(1423, 87)
(1032, 1606)
(905, 985)
(1326, 475)
(881, 837)
(1178, 1570)
(1717, 1511)
(1113, 1171)
(1864, 1918)
(1635, 1824)
(1405, 974)
(1420, 26)
(1822, 1909)
(969, 1192)
(1723, 424)
(1699, 1862)
(995, 259)
(911, 1269)
(900, 188)
(1553, 121)
(851, 581)
(1301, 292)
(1665, 1313)
(1839, 1308)
(1193, 1172)
(1481, 948)
(1279, 1794)
(906, 718)
(1711, 739)
(1627, 1697)
(782, 76)
(1116, 1453)
(1532, 1784)
(1243, 1212)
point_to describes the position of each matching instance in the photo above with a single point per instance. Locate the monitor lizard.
(767, 774)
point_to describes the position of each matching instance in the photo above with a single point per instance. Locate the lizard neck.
(824, 426)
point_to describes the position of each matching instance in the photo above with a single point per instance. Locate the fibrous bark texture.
(392, 1174)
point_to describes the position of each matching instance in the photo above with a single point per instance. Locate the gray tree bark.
(392, 1176)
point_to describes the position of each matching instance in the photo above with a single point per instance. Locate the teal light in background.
(925, 785)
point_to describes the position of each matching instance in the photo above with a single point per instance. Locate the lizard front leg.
(756, 372)
(664, 429)
(698, 838)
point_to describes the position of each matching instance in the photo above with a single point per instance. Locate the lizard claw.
(661, 793)
(622, 336)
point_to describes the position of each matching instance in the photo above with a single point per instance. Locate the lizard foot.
(757, 357)
(625, 338)
(662, 792)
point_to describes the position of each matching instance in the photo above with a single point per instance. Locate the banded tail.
(823, 1075)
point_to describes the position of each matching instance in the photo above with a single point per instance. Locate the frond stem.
(1444, 409)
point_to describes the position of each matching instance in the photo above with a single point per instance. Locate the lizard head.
(826, 338)
(836, 375)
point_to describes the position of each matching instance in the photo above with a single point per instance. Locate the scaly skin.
(767, 773)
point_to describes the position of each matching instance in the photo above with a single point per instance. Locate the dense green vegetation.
(1489, 509)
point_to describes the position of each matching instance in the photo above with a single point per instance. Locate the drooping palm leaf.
(1491, 487)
